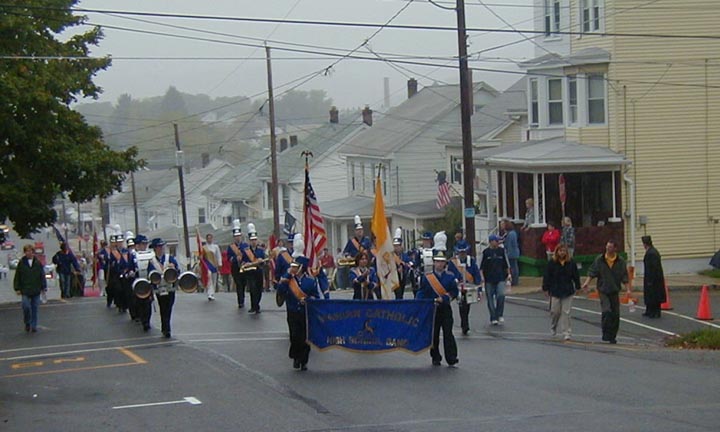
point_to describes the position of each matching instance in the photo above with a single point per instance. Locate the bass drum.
(142, 288)
(188, 282)
(170, 275)
(155, 277)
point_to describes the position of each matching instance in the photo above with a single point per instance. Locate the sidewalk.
(7, 293)
(675, 282)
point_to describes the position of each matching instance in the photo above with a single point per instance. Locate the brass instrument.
(346, 262)
(250, 266)
(188, 282)
(142, 288)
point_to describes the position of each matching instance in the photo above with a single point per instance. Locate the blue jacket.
(494, 265)
(235, 260)
(512, 248)
(282, 263)
(447, 280)
(65, 262)
(351, 250)
(307, 284)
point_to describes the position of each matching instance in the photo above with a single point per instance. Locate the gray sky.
(351, 83)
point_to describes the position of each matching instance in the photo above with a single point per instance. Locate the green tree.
(47, 148)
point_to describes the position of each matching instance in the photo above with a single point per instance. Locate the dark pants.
(240, 285)
(299, 349)
(30, 310)
(127, 295)
(143, 309)
(255, 287)
(400, 292)
(165, 303)
(464, 307)
(444, 321)
(112, 290)
(652, 310)
(610, 320)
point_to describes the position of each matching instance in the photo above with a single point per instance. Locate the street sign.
(470, 212)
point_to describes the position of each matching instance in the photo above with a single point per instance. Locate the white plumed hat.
(397, 239)
(237, 231)
(298, 246)
(252, 233)
(440, 241)
(358, 222)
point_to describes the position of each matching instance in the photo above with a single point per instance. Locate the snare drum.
(471, 294)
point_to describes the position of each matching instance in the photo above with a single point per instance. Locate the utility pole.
(273, 149)
(465, 114)
(179, 160)
(132, 182)
(102, 218)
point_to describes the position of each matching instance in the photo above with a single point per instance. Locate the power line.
(360, 24)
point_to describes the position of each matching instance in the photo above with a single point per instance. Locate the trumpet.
(346, 262)
(250, 266)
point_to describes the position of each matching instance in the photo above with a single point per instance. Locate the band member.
(423, 259)
(103, 258)
(129, 275)
(253, 258)
(234, 252)
(165, 292)
(359, 242)
(116, 270)
(213, 259)
(466, 270)
(364, 279)
(403, 262)
(143, 255)
(441, 286)
(296, 286)
(284, 259)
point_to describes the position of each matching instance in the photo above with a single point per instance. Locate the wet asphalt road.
(90, 368)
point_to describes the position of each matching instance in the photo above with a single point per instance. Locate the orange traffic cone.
(667, 305)
(593, 295)
(704, 312)
(627, 298)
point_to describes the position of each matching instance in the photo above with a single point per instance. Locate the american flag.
(315, 236)
(443, 197)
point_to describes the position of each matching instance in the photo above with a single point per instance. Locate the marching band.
(140, 272)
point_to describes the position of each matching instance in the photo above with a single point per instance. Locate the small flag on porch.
(385, 257)
(443, 195)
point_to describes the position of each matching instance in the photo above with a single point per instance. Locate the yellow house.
(640, 79)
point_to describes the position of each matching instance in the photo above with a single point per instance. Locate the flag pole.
(450, 185)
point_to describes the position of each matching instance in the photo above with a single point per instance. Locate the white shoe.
(501, 320)
(567, 337)
(494, 322)
(211, 298)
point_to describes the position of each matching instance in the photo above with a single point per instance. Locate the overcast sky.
(351, 83)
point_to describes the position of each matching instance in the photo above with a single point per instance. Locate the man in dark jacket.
(65, 264)
(653, 280)
(611, 272)
(30, 283)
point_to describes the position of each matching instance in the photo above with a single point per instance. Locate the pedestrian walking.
(611, 273)
(30, 283)
(494, 273)
(560, 282)
(653, 280)
(213, 257)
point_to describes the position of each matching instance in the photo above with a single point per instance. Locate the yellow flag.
(384, 260)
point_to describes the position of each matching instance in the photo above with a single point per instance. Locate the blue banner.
(373, 326)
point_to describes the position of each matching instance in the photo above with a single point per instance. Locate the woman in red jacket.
(550, 238)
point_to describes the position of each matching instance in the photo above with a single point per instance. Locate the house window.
(596, 98)
(201, 215)
(555, 102)
(590, 18)
(285, 196)
(572, 98)
(456, 166)
(352, 175)
(552, 17)
(533, 101)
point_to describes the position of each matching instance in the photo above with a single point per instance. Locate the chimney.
(293, 140)
(283, 144)
(412, 87)
(367, 115)
(334, 115)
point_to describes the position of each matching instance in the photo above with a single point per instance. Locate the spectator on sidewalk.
(225, 272)
(30, 283)
(568, 235)
(494, 272)
(653, 280)
(550, 238)
(512, 249)
(529, 214)
(66, 264)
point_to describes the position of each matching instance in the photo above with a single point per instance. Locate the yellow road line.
(133, 356)
(136, 360)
